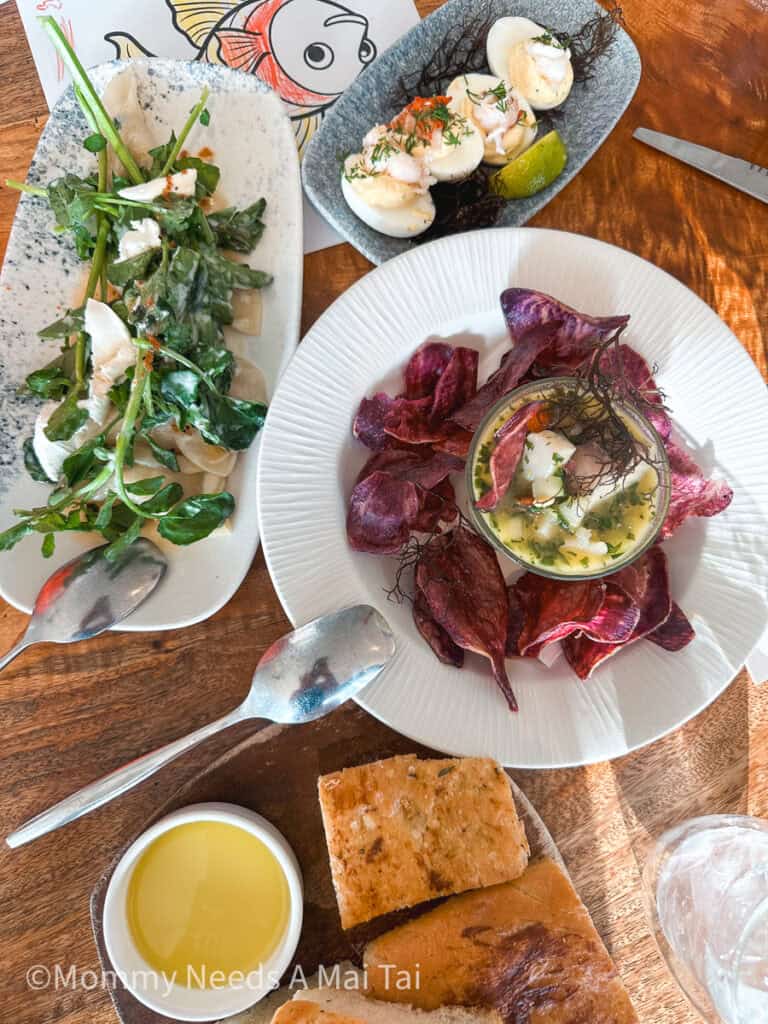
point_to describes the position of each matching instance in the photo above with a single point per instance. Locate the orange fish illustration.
(308, 51)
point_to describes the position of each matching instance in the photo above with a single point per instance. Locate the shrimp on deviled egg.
(501, 114)
(387, 184)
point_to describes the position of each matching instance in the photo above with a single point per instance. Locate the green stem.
(83, 83)
(170, 353)
(188, 126)
(22, 186)
(140, 375)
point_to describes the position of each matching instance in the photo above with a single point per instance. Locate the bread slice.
(301, 1011)
(527, 945)
(403, 830)
(342, 1006)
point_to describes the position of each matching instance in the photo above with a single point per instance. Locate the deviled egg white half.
(533, 59)
(499, 111)
(387, 184)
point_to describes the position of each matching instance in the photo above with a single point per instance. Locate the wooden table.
(71, 714)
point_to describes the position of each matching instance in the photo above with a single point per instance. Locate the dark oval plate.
(274, 771)
(584, 121)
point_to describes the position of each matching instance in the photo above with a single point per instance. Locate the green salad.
(138, 403)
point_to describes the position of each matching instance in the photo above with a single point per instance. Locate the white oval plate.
(309, 460)
(252, 142)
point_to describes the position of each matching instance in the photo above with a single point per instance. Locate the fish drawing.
(308, 51)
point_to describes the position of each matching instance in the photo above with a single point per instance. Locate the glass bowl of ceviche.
(568, 479)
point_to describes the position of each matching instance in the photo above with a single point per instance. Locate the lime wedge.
(533, 170)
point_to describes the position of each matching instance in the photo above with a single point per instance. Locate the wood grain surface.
(70, 714)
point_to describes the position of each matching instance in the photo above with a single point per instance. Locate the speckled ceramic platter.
(252, 142)
(274, 772)
(449, 291)
(584, 121)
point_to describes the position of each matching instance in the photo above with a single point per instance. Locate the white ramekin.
(149, 987)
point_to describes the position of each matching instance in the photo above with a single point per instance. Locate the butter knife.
(741, 174)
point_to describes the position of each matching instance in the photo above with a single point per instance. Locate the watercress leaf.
(104, 517)
(163, 455)
(230, 422)
(149, 485)
(69, 324)
(160, 156)
(181, 387)
(228, 273)
(49, 382)
(123, 272)
(118, 394)
(219, 364)
(165, 499)
(239, 230)
(9, 538)
(48, 545)
(66, 420)
(205, 117)
(124, 540)
(181, 279)
(94, 143)
(179, 337)
(62, 192)
(176, 215)
(81, 463)
(196, 517)
(32, 463)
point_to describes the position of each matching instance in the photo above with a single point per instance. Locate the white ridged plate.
(253, 144)
(719, 567)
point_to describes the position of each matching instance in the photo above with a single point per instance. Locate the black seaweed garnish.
(464, 205)
(593, 40)
(595, 406)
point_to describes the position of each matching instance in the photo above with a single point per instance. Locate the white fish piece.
(143, 235)
(112, 350)
(182, 183)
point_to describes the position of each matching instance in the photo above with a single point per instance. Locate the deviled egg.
(500, 113)
(535, 60)
(387, 184)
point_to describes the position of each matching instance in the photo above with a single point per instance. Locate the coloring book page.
(308, 51)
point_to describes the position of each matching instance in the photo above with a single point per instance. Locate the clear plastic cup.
(707, 887)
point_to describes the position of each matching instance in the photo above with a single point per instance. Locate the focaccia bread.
(527, 949)
(348, 1006)
(404, 830)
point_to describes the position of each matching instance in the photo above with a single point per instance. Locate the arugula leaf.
(67, 419)
(49, 382)
(124, 272)
(32, 463)
(71, 323)
(239, 230)
(196, 517)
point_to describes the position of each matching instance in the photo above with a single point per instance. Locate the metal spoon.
(91, 594)
(302, 676)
